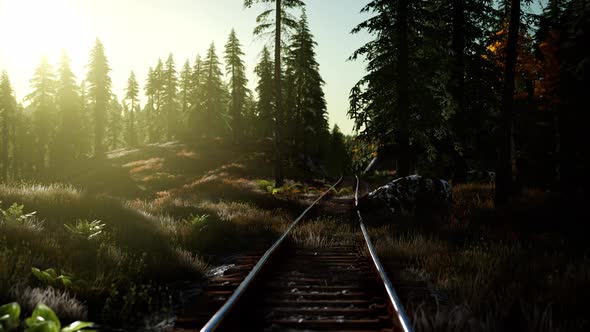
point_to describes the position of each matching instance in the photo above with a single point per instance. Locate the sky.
(137, 32)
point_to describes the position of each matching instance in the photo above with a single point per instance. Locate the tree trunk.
(458, 87)
(279, 100)
(504, 181)
(402, 87)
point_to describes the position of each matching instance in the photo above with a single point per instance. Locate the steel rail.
(393, 298)
(223, 312)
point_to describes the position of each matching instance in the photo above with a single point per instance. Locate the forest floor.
(172, 212)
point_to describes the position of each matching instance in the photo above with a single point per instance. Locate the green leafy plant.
(43, 319)
(86, 229)
(9, 317)
(265, 184)
(15, 215)
(50, 277)
(197, 220)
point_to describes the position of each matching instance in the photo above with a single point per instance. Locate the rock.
(407, 196)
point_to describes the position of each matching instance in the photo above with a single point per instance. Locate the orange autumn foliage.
(527, 66)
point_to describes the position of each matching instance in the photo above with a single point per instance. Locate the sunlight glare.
(34, 28)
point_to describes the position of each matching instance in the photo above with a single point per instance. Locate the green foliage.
(86, 229)
(264, 184)
(99, 92)
(264, 89)
(7, 117)
(169, 97)
(304, 97)
(9, 317)
(197, 220)
(236, 71)
(15, 215)
(50, 277)
(213, 94)
(43, 319)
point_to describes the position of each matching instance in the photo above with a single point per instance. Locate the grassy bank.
(125, 234)
(519, 269)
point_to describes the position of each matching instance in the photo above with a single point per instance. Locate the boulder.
(408, 196)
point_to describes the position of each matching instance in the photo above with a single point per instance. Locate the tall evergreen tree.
(412, 114)
(307, 100)
(212, 94)
(69, 117)
(236, 71)
(196, 99)
(23, 145)
(99, 93)
(131, 96)
(337, 157)
(42, 101)
(87, 126)
(281, 18)
(7, 114)
(169, 98)
(149, 113)
(115, 126)
(184, 94)
(504, 178)
(265, 91)
(470, 74)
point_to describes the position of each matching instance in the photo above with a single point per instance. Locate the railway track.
(292, 288)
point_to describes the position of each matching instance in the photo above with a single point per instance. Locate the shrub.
(15, 215)
(86, 229)
(197, 220)
(51, 278)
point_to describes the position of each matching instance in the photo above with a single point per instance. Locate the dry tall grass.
(483, 278)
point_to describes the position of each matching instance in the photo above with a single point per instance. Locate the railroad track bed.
(296, 288)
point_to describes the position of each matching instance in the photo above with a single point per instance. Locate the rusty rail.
(393, 298)
(224, 311)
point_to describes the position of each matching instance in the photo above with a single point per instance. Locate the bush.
(86, 229)
(15, 215)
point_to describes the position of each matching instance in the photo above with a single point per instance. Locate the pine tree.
(169, 101)
(337, 157)
(7, 114)
(87, 126)
(149, 113)
(407, 113)
(307, 100)
(196, 99)
(115, 124)
(212, 94)
(281, 18)
(99, 93)
(23, 145)
(236, 71)
(42, 101)
(69, 115)
(184, 94)
(131, 96)
(265, 91)
(504, 171)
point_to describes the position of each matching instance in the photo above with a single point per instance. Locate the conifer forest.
(199, 165)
